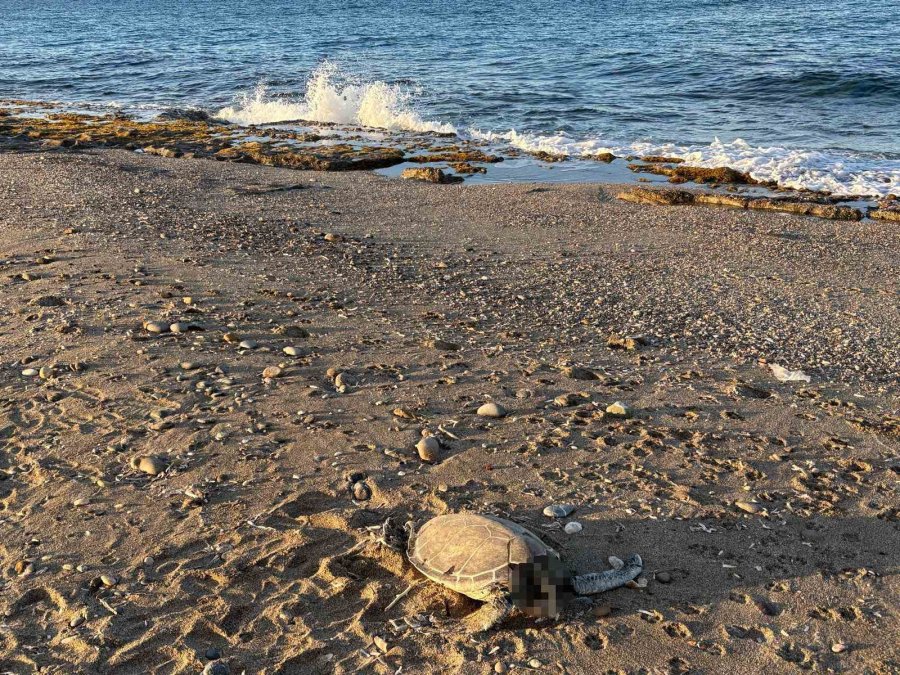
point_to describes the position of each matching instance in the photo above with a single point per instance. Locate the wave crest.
(334, 97)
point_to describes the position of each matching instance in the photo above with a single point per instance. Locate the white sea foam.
(332, 96)
(841, 173)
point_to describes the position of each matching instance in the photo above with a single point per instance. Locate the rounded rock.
(573, 528)
(559, 510)
(491, 409)
(618, 409)
(155, 327)
(272, 372)
(361, 491)
(429, 449)
(216, 668)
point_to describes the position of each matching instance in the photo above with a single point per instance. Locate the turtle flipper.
(494, 611)
(599, 582)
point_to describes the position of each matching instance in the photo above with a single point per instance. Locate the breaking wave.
(334, 97)
(840, 172)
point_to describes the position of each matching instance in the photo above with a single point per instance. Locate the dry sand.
(249, 544)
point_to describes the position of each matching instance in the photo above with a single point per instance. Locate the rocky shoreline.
(220, 378)
(194, 134)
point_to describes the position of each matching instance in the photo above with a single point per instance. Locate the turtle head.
(542, 587)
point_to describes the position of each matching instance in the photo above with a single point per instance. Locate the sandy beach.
(214, 376)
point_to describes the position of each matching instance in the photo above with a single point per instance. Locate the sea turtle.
(497, 561)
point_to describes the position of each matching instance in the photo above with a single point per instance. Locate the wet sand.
(165, 506)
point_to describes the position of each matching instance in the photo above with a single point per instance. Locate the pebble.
(213, 653)
(429, 449)
(361, 491)
(535, 663)
(291, 351)
(272, 372)
(46, 372)
(664, 578)
(231, 338)
(558, 510)
(749, 507)
(442, 345)
(573, 528)
(247, 344)
(500, 667)
(29, 372)
(76, 621)
(216, 668)
(108, 580)
(155, 327)
(150, 464)
(180, 327)
(491, 410)
(618, 409)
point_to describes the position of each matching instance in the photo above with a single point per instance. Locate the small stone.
(342, 382)
(180, 327)
(150, 464)
(76, 621)
(429, 449)
(247, 344)
(29, 372)
(491, 409)
(749, 507)
(213, 653)
(430, 174)
(108, 580)
(361, 491)
(535, 663)
(618, 409)
(331, 236)
(664, 578)
(559, 510)
(381, 643)
(155, 327)
(500, 667)
(271, 372)
(291, 351)
(573, 528)
(216, 668)
(839, 647)
(81, 501)
(442, 345)
(46, 372)
(231, 338)
(188, 365)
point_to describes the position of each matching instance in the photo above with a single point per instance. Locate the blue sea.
(806, 92)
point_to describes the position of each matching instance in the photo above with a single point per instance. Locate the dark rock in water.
(430, 174)
(187, 115)
(467, 168)
(661, 159)
(603, 157)
(696, 174)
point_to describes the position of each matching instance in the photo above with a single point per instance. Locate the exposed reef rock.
(673, 197)
(430, 174)
(697, 174)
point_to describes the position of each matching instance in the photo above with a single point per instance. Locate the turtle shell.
(471, 553)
